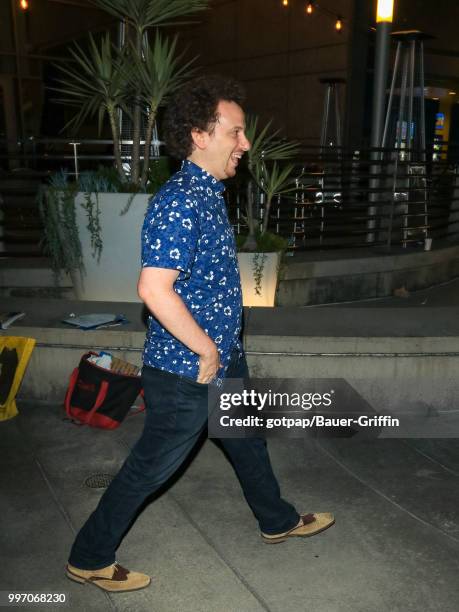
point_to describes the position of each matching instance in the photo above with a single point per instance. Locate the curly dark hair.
(194, 105)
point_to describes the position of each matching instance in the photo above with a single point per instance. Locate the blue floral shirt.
(186, 228)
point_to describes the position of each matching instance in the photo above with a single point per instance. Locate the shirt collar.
(194, 170)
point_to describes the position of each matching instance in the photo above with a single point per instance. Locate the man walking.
(190, 284)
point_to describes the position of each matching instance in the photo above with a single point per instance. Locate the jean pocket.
(193, 383)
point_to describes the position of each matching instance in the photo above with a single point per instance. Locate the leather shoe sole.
(311, 524)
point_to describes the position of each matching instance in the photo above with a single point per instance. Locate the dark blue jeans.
(176, 414)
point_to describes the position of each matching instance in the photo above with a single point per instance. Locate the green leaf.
(159, 73)
(266, 146)
(95, 83)
(143, 14)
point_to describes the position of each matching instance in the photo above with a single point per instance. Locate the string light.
(23, 4)
(311, 7)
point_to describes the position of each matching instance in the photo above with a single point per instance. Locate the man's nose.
(245, 143)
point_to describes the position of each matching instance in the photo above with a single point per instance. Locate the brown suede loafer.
(310, 525)
(114, 578)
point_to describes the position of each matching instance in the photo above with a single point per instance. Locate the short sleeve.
(170, 234)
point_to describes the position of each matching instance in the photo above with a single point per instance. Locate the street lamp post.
(384, 15)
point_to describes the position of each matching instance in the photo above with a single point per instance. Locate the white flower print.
(187, 222)
(174, 254)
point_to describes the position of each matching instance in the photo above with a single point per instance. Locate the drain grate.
(98, 481)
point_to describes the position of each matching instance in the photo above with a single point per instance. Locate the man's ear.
(200, 138)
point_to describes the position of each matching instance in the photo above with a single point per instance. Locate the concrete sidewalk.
(395, 545)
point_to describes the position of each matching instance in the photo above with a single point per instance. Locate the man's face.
(227, 143)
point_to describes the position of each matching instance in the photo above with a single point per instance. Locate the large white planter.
(264, 265)
(114, 278)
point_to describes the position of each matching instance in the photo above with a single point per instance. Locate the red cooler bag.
(100, 397)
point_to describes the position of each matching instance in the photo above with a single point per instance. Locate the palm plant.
(96, 86)
(266, 151)
(156, 76)
(136, 79)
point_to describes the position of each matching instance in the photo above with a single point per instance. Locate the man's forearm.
(168, 307)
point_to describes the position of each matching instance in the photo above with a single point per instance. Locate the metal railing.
(347, 199)
(24, 165)
(343, 198)
(43, 156)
